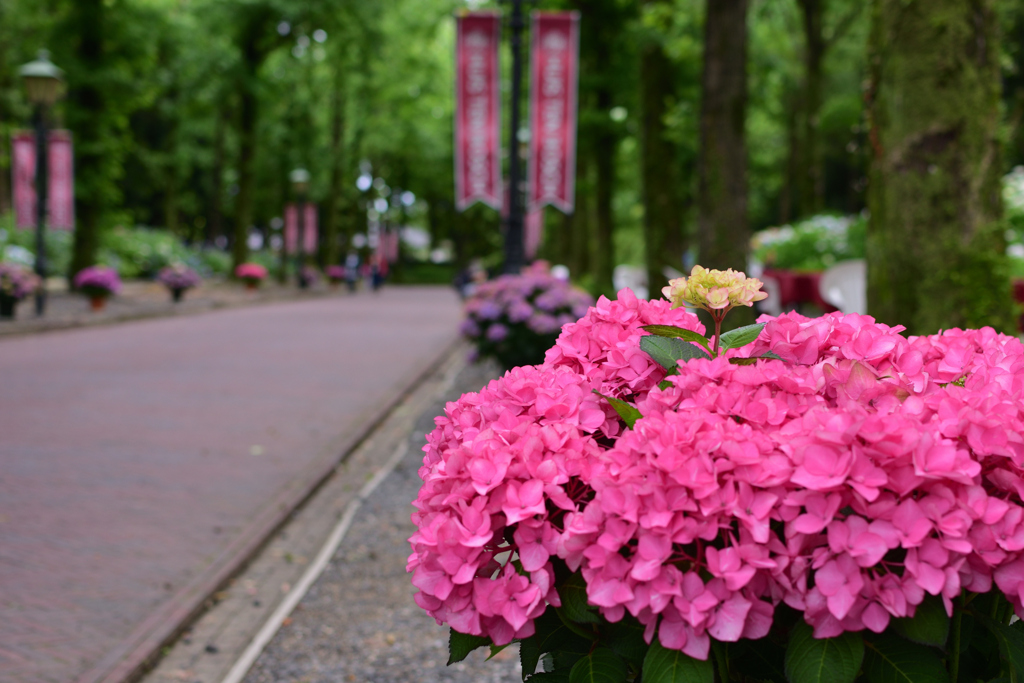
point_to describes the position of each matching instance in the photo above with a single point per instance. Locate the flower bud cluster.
(716, 291)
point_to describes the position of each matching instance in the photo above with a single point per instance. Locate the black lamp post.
(43, 82)
(300, 182)
(514, 252)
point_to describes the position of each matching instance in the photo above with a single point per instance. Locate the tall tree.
(723, 231)
(936, 250)
(663, 230)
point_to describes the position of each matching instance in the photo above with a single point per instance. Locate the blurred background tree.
(189, 114)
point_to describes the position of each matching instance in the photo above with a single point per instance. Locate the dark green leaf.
(824, 660)
(529, 654)
(1011, 644)
(743, 361)
(891, 659)
(627, 411)
(626, 638)
(550, 677)
(461, 644)
(928, 626)
(741, 336)
(666, 351)
(600, 666)
(554, 636)
(495, 649)
(759, 660)
(673, 331)
(574, 600)
(662, 665)
(772, 355)
(664, 384)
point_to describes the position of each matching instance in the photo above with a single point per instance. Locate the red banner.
(554, 67)
(533, 233)
(291, 229)
(477, 110)
(61, 191)
(60, 201)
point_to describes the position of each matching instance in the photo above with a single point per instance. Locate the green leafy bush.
(811, 245)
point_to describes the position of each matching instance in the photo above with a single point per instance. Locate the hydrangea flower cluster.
(866, 472)
(17, 281)
(516, 318)
(335, 273)
(98, 281)
(849, 480)
(504, 466)
(251, 273)
(178, 276)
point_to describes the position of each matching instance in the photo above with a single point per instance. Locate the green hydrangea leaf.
(741, 336)
(662, 665)
(822, 660)
(461, 644)
(665, 351)
(600, 666)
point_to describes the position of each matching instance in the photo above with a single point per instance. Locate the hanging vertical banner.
(477, 110)
(554, 70)
(533, 232)
(23, 175)
(60, 200)
(291, 229)
(60, 197)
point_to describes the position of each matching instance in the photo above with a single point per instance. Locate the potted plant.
(335, 274)
(252, 274)
(801, 500)
(16, 283)
(308, 277)
(98, 283)
(516, 318)
(177, 278)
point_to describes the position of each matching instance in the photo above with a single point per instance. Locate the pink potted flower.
(335, 274)
(252, 274)
(98, 283)
(177, 278)
(16, 283)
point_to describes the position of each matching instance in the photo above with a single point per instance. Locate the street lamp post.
(514, 253)
(43, 83)
(300, 181)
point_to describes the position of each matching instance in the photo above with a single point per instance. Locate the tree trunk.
(936, 251)
(332, 209)
(576, 226)
(86, 119)
(246, 171)
(604, 164)
(722, 225)
(215, 227)
(812, 176)
(663, 233)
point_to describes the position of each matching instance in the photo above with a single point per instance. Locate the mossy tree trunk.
(722, 225)
(936, 250)
(663, 231)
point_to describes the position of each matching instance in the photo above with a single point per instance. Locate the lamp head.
(300, 180)
(43, 80)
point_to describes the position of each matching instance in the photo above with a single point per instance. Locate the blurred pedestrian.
(351, 271)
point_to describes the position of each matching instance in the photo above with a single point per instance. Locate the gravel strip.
(359, 622)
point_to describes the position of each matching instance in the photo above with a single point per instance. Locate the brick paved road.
(133, 456)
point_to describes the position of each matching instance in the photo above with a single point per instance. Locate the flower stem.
(718, 333)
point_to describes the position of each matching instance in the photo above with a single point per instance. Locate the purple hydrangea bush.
(516, 318)
(17, 281)
(98, 281)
